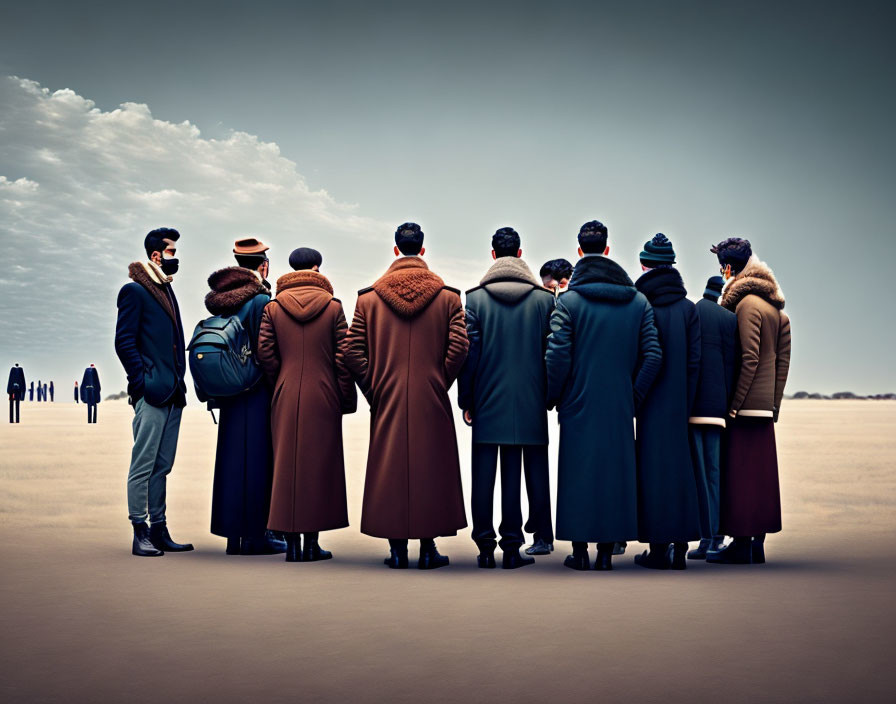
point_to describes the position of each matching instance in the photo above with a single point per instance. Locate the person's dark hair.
(155, 240)
(593, 237)
(250, 261)
(409, 238)
(506, 242)
(305, 258)
(735, 251)
(547, 269)
(562, 269)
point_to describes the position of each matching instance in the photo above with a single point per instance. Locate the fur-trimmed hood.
(755, 279)
(150, 277)
(663, 286)
(230, 288)
(304, 294)
(600, 278)
(509, 279)
(408, 286)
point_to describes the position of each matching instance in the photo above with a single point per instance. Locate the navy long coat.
(90, 386)
(718, 359)
(602, 357)
(16, 384)
(668, 509)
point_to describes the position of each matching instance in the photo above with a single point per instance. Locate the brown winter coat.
(764, 331)
(406, 346)
(301, 348)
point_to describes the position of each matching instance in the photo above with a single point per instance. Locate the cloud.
(80, 187)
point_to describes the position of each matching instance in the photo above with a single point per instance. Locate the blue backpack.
(221, 359)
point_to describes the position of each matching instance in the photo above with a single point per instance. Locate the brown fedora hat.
(248, 246)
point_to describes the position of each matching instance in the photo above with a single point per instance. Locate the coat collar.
(146, 275)
(756, 279)
(304, 277)
(600, 278)
(231, 287)
(408, 286)
(662, 286)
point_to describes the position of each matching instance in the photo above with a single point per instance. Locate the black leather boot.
(604, 561)
(430, 559)
(398, 555)
(311, 551)
(579, 559)
(512, 559)
(486, 557)
(233, 546)
(739, 552)
(161, 539)
(540, 547)
(679, 556)
(619, 548)
(142, 546)
(293, 547)
(657, 559)
(265, 544)
(757, 554)
(699, 552)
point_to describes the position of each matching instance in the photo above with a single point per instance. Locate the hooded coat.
(15, 387)
(241, 492)
(406, 347)
(602, 357)
(668, 508)
(301, 348)
(90, 386)
(503, 382)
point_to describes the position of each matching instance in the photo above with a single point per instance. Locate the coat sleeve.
(268, 352)
(694, 354)
(357, 355)
(348, 394)
(782, 364)
(558, 356)
(467, 378)
(458, 344)
(749, 329)
(126, 329)
(650, 356)
(730, 355)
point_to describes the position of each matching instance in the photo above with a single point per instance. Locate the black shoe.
(430, 559)
(267, 544)
(294, 547)
(604, 561)
(739, 552)
(513, 560)
(678, 559)
(233, 546)
(757, 553)
(540, 547)
(311, 550)
(619, 548)
(577, 562)
(655, 560)
(699, 552)
(398, 555)
(486, 558)
(161, 539)
(142, 546)
(716, 544)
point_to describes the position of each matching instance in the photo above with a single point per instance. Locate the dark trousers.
(538, 489)
(14, 409)
(91, 413)
(485, 467)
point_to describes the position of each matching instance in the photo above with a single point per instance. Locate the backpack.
(221, 359)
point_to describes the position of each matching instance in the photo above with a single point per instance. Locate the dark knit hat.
(735, 251)
(593, 237)
(657, 251)
(305, 258)
(714, 286)
(409, 238)
(155, 240)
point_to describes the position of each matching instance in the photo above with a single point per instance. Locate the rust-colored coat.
(301, 348)
(406, 346)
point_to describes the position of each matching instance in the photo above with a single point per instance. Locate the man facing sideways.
(149, 341)
(406, 346)
(603, 355)
(90, 392)
(501, 390)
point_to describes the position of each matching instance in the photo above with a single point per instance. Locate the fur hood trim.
(303, 277)
(303, 294)
(756, 279)
(230, 288)
(145, 276)
(408, 286)
(602, 279)
(509, 269)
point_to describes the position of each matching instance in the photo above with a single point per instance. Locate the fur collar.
(509, 269)
(408, 286)
(147, 278)
(230, 288)
(303, 277)
(663, 286)
(756, 279)
(602, 279)
(155, 273)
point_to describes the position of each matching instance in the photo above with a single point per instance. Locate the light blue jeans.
(155, 442)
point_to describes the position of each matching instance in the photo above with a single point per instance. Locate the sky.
(326, 125)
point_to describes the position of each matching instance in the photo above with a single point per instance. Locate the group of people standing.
(89, 392)
(666, 408)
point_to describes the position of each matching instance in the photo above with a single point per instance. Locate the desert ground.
(83, 620)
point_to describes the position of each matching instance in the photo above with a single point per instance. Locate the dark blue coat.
(90, 386)
(602, 358)
(502, 382)
(718, 359)
(667, 480)
(149, 340)
(16, 384)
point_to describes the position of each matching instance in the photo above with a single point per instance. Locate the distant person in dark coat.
(15, 388)
(45, 392)
(501, 390)
(241, 494)
(602, 357)
(77, 399)
(40, 391)
(52, 392)
(149, 341)
(668, 509)
(750, 504)
(718, 370)
(301, 347)
(90, 392)
(31, 392)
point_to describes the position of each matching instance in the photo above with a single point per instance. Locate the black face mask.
(170, 266)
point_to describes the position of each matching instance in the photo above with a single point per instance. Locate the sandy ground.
(83, 620)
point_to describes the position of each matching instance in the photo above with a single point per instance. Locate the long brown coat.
(406, 346)
(301, 348)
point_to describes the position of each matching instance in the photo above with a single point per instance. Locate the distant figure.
(76, 393)
(16, 390)
(52, 392)
(31, 392)
(90, 392)
(40, 391)
(555, 275)
(45, 392)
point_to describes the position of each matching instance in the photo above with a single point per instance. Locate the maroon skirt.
(750, 501)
